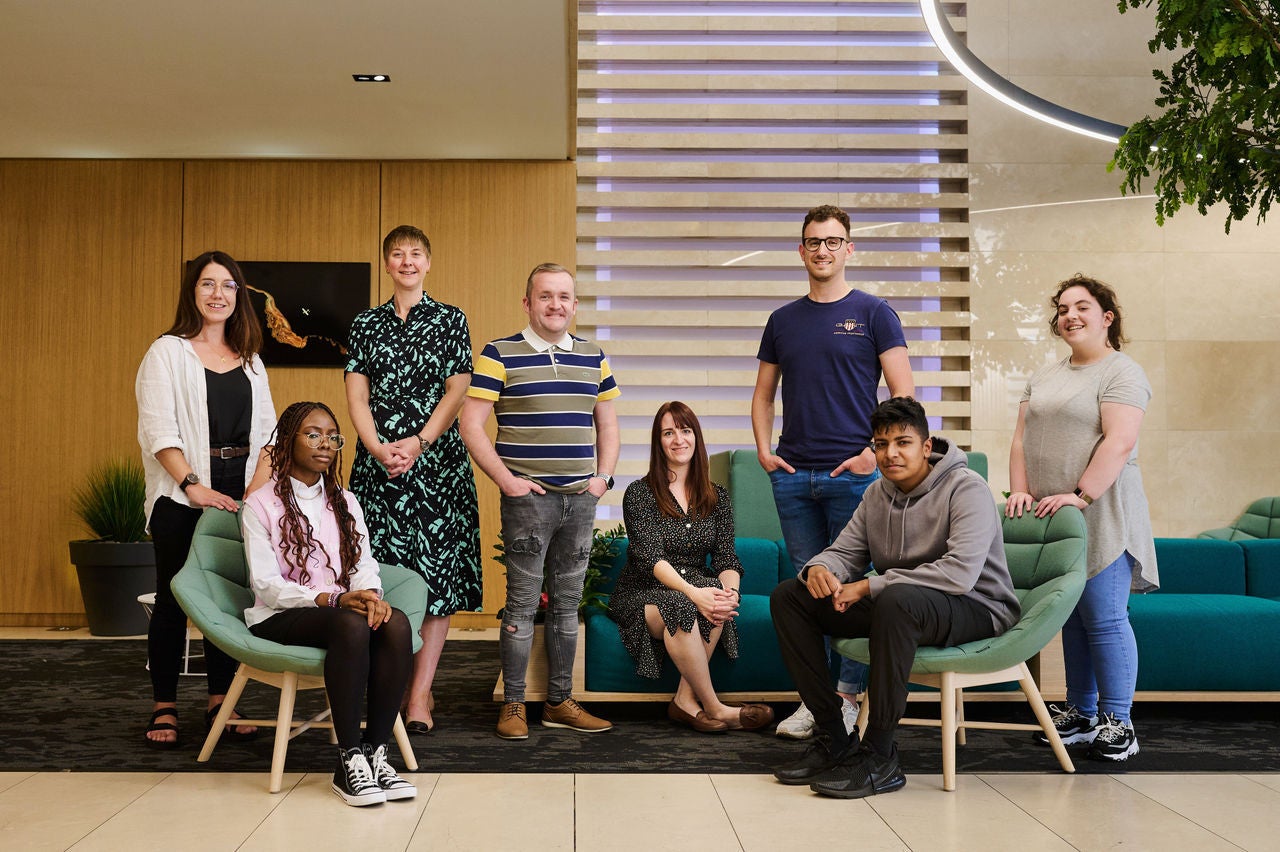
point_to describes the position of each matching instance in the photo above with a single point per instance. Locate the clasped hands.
(822, 583)
(367, 603)
(398, 456)
(715, 604)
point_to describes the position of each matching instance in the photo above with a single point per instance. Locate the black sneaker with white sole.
(385, 774)
(353, 780)
(1115, 740)
(1073, 727)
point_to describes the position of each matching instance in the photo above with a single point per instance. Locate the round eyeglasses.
(315, 440)
(207, 286)
(832, 243)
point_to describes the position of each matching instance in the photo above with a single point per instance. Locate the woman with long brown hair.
(668, 602)
(317, 585)
(204, 416)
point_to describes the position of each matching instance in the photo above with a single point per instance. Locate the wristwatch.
(189, 479)
(608, 480)
(1085, 497)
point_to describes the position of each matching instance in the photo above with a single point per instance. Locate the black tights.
(357, 660)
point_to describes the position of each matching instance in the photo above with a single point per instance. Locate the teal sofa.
(1213, 626)
(758, 671)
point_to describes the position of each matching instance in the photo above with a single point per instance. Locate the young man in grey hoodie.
(931, 530)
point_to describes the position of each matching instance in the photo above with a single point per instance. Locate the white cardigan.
(173, 411)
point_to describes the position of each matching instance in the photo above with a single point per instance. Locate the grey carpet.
(81, 705)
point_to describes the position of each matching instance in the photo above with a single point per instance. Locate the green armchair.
(1047, 562)
(213, 589)
(1260, 520)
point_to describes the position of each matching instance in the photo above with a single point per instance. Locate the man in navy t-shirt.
(828, 349)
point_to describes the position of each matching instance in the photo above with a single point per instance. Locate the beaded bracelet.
(333, 599)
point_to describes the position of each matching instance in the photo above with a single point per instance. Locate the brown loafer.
(702, 723)
(753, 717)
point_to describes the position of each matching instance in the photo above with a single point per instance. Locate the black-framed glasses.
(315, 440)
(832, 243)
(207, 286)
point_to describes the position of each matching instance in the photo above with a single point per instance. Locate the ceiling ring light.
(963, 60)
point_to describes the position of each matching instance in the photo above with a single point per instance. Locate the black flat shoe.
(163, 745)
(229, 731)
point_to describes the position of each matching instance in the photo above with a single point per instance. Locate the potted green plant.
(119, 563)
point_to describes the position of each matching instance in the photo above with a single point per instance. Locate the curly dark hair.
(1106, 299)
(295, 530)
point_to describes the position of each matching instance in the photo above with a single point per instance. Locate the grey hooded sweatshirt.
(944, 534)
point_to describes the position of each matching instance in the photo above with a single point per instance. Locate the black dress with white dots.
(684, 542)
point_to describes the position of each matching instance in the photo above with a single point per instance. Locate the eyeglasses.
(207, 287)
(315, 440)
(832, 243)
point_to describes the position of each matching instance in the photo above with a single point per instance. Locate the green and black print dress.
(426, 519)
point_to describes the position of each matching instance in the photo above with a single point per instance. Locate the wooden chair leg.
(1032, 692)
(284, 722)
(864, 715)
(961, 736)
(406, 747)
(224, 714)
(947, 698)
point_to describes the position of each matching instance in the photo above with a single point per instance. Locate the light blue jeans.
(813, 507)
(1098, 648)
(545, 536)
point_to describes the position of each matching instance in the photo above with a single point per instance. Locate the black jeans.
(897, 621)
(172, 527)
(357, 660)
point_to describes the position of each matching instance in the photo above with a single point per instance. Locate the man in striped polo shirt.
(553, 459)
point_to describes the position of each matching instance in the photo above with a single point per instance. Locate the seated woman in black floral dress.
(668, 602)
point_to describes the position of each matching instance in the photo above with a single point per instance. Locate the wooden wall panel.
(489, 224)
(91, 255)
(89, 262)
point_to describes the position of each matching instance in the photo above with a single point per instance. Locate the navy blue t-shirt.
(830, 359)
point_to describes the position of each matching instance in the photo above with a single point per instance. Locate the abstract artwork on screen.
(306, 309)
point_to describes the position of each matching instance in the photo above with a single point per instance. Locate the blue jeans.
(1098, 648)
(813, 507)
(545, 536)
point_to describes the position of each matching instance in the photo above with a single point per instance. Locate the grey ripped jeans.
(544, 535)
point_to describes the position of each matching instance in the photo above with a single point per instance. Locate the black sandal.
(230, 730)
(163, 745)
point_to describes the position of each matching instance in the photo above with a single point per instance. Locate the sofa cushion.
(1262, 567)
(1200, 566)
(754, 513)
(1206, 642)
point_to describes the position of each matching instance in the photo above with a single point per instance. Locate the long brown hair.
(243, 333)
(698, 487)
(295, 530)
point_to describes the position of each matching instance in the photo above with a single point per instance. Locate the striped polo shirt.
(544, 395)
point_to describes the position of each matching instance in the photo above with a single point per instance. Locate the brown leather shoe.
(702, 723)
(753, 717)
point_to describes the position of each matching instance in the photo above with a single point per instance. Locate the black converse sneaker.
(392, 785)
(1073, 727)
(353, 780)
(1115, 740)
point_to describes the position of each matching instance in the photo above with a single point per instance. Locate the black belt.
(228, 452)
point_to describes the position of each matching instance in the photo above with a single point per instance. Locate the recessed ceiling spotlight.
(371, 78)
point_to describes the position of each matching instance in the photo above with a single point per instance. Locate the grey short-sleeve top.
(1063, 429)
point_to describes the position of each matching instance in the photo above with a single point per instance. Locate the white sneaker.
(798, 726)
(849, 713)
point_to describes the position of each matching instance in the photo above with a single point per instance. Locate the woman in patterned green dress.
(408, 373)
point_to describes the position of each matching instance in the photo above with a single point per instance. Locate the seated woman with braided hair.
(317, 585)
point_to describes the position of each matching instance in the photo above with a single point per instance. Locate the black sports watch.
(189, 479)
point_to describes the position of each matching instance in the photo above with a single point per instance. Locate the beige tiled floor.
(199, 811)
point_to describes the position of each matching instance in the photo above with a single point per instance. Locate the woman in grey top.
(1076, 444)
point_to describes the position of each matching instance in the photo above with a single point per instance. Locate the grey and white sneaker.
(1073, 727)
(353, 780)
(1115, 740)
(849, 714)
(391, 784)
(798, 726)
